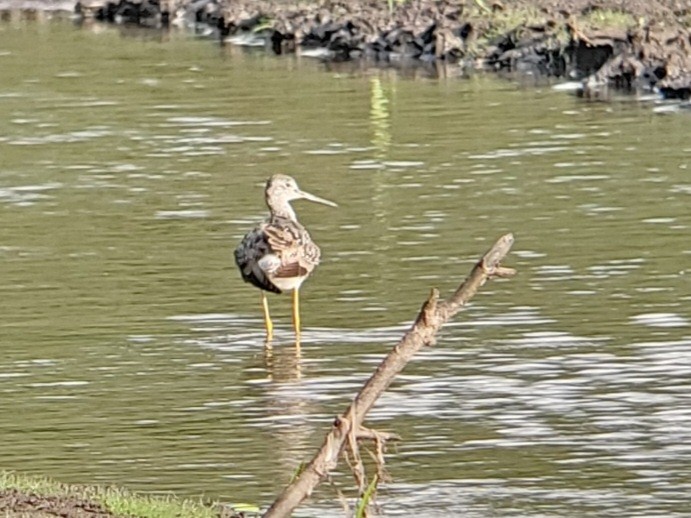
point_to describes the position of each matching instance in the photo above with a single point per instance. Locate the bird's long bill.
(317, 199)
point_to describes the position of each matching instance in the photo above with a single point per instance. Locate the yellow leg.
(267, 318)
(296, 313)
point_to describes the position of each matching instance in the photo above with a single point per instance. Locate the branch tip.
(503, 271)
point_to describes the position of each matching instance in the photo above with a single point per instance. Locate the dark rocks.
(647, 46)
(139, 12)
(649, 59)
(530, 50)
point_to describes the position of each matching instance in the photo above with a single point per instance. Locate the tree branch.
(433, 315)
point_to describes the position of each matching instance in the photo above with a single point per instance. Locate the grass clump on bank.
(609, 19)
(122, 502)
(118, 502)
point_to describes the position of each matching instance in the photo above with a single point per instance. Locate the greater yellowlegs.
(279, 254)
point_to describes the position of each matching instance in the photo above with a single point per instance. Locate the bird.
(279, 254)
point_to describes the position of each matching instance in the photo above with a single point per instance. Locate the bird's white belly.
(287, 283)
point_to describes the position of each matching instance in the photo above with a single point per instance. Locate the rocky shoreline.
(632, 45)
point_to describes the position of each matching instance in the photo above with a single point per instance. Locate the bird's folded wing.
(292, 244)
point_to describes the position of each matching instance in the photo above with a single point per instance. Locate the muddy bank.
(17, 503)
(636, 45)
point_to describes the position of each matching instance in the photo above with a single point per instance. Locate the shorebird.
(279, 254)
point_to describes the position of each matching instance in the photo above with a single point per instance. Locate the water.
(132, 352)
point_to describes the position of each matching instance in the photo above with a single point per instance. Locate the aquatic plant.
(366, 498)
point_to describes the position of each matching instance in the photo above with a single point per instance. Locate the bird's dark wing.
(253, 247)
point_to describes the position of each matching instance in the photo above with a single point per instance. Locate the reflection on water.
(132, 350)
(379, 116)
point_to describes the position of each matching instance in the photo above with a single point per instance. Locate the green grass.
(393, 3)
(499, 23)
(494, 24)
(117, 500)
(123, 502)
(609, 18)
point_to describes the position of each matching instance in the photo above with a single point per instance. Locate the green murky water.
(130, 165)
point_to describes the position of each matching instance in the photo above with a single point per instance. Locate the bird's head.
(281, 188)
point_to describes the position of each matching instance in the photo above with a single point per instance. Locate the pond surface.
(131, 164)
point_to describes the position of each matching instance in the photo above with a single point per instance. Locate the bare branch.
(369, 433)
(433, 315)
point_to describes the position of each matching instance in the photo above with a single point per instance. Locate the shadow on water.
(133, 350)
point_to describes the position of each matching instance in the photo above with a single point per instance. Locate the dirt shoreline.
(631, 45)
(635, 45)
(17, 503)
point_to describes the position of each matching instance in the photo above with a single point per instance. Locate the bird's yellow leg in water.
(296, 314)
(267, 318)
